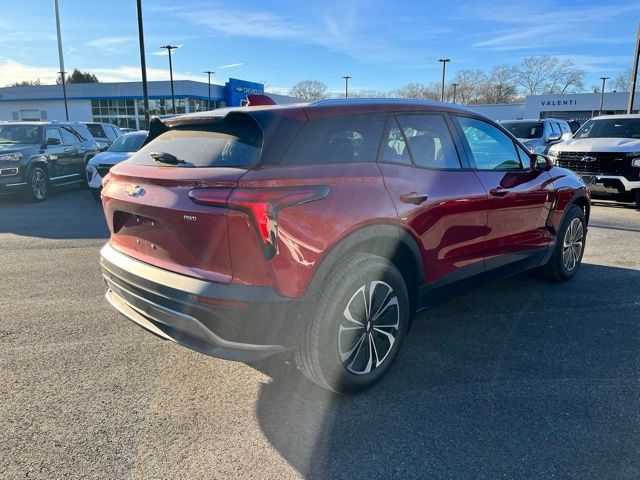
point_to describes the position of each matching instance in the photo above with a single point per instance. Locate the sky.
(380, 44)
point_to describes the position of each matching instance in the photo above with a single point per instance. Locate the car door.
(519, 196)
(73, 162)
(438, 197)
(56, 151)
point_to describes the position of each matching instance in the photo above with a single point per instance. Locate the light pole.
(209, 73)
(346, 86)
(455, 89)
(143, 66)
(61, 58)
(444, 67)
(173, 97)
(604, 79)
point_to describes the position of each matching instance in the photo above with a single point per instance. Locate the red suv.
(325, 228)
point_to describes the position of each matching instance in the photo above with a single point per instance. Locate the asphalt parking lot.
(518, 379)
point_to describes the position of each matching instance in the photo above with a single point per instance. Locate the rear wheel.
(638, 198)
(38, 184)
(358, 326)
(569, 248)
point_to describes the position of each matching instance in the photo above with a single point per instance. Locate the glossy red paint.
(464, 220)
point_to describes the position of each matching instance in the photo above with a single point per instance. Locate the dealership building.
(574, 106)
(122, 103)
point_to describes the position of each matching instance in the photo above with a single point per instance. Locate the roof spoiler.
(255, 100)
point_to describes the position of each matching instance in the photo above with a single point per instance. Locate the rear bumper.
(235, 322)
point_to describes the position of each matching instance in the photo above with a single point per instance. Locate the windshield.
(128, 143)
(610, 128)
(20, 134)
(231, 142)
(524, 129)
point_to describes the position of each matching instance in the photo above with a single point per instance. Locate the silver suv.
(539, 135)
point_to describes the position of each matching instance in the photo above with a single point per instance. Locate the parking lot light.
(444, 67)
(173, 96)
(209, 73)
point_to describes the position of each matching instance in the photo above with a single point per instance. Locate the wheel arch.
(388, 241)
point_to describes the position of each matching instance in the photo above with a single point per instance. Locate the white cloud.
(12, 71)
(113, 44)
(231, 65)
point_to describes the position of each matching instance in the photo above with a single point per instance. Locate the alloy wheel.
(368, 327)
(39, 185)
(573, 245)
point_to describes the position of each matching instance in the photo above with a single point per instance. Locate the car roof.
(534, 120)
(327, 108)
(616, 117)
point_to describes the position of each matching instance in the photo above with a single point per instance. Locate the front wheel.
(638, 198)
(38, 184)
(358, 326)
(569, 248)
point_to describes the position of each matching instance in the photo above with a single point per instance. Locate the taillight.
(261, 204)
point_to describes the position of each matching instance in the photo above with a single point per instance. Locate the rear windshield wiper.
(165, 157)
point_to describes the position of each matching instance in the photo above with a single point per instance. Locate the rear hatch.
(146, 198)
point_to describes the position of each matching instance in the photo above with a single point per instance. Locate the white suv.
(605, 152)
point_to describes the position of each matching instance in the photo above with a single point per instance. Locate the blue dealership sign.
(235, 91)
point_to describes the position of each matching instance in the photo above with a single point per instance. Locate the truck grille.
(594, 162)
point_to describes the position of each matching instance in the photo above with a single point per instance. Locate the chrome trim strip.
(13, 184)
(65, 176)
(627, 184)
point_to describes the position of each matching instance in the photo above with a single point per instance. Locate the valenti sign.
(558, 103)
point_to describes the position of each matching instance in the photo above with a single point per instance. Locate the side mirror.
(53, 141)
(541, 163)
(553, 137)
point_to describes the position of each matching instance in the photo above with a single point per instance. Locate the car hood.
(16, 147)
(110, 158)
(598, 145)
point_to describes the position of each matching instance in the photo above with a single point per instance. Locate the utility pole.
(143, 66)
(346, 86)
(173, 96)
(634, 74)
(444, 67)
(604, 79)
(209, 73)
(455, 89)
(61, 58)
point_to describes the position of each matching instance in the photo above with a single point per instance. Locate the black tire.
(96, 193)
(347, 355)
(569, 248)
(38, 184)
(638, 198)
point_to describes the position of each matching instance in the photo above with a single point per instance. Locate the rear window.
(230, 142)
(96, 130)
(344, 139)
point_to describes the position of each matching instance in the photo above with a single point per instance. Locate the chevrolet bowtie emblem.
(588, 159)
(134, 190)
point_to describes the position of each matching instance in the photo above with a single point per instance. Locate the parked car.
(37, 155)
(574, 125)
(98, 167)
(605, 152)
(325, 228)
(103, 133)
(538, 135)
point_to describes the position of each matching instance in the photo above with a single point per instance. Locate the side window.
(430, 141)
(68, 137)
(343, 139)
(394, 149)
(565, 128)
(53, 133)
(491, 148)
(555, 128)
(525, 157)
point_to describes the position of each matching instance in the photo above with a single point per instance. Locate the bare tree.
(26, 83)
(419, 91)
(548, 75)
(499, 86)
(622, 83)
(309, 90)
(469, 83)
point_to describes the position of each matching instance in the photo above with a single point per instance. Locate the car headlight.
(11, 157)
(633, 154)
(635, 162)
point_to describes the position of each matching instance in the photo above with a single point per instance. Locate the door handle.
(67, 150)
(414, 198)
(499, 191)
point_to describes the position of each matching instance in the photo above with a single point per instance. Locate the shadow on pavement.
(518, 379)
(68, 213)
